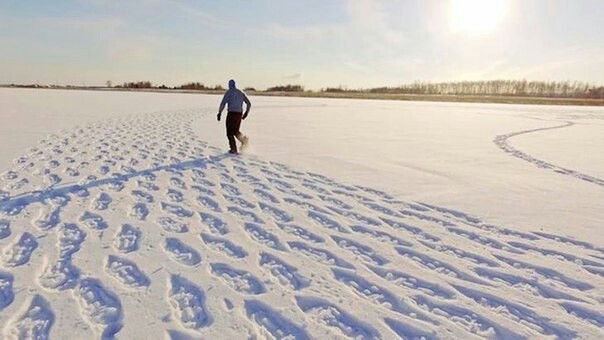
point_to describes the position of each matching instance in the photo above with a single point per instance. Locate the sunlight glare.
(475, 17)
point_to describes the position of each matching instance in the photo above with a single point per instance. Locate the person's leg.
(240, 136)
(236, 125)
(231, 130)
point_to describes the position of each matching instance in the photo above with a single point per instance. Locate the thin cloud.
(295, 76)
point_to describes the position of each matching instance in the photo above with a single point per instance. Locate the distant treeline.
(511, 88)
(553, 89)
(202, 87)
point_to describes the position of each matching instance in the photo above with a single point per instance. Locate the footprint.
(71, 238)
(277, 214)
(224, 246)
(364, 252)
(188, 303)
(230, 189)
(519, 313)
(331, 316)
(175, 196)
(177, 182)
(279, 184)
(48, 218)
(306, 205)
(273, 322)
(556, 254)
(9, 175)
(4, 229)
(142, 196)
(59, 275)
(265, 195)
(209, 203)
(326, 222)
(103, 170)
(584, 314)
(7, 294)
(59, 200)
(245, 215)
(547, 273)
(336, 202)
(169, 224)
(460, 254)
(568, 240)
(297, 193)
(319, 255)
(255, 182)
(51, 179)
(359, 218)
(176, 210)
(405, 280)
(301, 233)
(202, 190)
(262, 236)
(437, 266)
(126, 272)
(378, 295)
(127, 239)
(140, 211)
(239, 201)
(407, 331)
(204, 182)
(34, 321)
(239, 280)
(522, 283)
(427, 218)
(116, 185)
(100, 307)
(150, 186)
(71, 172)
(380, 208)
(181, 252)
(483, 240)
(19, 251)
(93, 221)
(286, 274)
(418, 232)
(215, 224)
(101, 202)
(378, 193)
(17, 185)
(381, 236)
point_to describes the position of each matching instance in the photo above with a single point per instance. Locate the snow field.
(136, 226)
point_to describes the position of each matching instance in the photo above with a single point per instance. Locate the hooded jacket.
(234, 99)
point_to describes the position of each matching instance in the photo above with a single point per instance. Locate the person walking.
(234, 99)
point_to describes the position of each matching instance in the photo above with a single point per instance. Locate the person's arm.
(222, 104)
(248, 105)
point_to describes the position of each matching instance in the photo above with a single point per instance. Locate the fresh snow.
(122, 216)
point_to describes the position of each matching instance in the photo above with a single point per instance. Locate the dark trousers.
(233, 122)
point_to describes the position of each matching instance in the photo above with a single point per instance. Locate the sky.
(314, 43)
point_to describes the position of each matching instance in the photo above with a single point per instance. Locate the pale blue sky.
(316, 43)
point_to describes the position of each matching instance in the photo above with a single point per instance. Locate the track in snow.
(503, 143)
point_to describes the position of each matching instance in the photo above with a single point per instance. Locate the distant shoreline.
(358, 95)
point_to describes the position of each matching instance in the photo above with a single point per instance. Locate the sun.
(475, 17)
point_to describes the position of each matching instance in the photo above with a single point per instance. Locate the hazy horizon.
(353, 43)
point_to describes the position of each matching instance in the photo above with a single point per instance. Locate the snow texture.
(137, 226)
